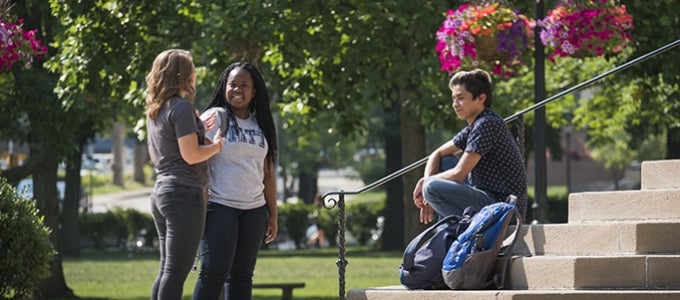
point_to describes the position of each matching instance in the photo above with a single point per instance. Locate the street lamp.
(567, 136)
(540, 185)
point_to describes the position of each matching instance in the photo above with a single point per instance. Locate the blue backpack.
(422, 262)
(470, 261)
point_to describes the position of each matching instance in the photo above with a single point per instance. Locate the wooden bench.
(286, 288)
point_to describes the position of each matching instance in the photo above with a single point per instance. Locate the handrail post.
(341, 262)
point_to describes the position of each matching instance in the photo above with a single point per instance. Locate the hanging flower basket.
(581, 28)
(488, 35)
(17, 44)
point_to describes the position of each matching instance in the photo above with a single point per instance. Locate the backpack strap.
(509, 245)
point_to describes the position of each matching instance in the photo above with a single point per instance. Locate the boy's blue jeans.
(451, 198)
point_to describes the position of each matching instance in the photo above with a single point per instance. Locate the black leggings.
(179, 214)
(229, 251)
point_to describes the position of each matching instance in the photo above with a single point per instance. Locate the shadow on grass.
(294, 297)
(254, 298)
(330, 252)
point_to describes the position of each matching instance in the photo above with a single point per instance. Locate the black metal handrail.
(340, 202)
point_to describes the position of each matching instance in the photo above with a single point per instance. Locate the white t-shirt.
(237, 172)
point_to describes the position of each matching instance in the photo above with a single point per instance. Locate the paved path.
(329, 180)
(133, 198)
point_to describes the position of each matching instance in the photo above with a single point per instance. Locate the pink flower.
(17, 44)
(586, 28)
(508, 32)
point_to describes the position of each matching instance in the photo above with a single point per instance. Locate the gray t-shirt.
(177, 118)
(237, 172)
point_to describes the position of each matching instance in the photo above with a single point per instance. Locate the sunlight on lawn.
(117, 275)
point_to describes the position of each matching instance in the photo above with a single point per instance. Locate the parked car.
(25, 189)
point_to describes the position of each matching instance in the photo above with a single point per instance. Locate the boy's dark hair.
(476, 82)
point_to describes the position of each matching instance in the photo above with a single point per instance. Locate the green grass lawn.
(120, 275)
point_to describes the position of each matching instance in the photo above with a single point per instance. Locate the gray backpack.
(223, 114)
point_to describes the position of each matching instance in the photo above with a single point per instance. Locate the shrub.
(557, 209)
(328, 222)
(137, 224)
(362, 219)
(97, 226)
(295, 219)
(25, 247)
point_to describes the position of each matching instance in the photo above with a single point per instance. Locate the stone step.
(636, 272)
(660, 174)
(622, 238)
(399, 293)
(642, 205)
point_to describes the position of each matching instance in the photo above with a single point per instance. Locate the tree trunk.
(140, 161)
(308, 186)
(413, 149)
(70, 235)
(393, 232)
(673, 143)
(118, 146)
(45, 191)
(288, 183)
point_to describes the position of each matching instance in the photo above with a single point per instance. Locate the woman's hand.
(209, 121)
(218, 138)
(272, 229)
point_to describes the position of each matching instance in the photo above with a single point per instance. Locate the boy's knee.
(428, 188)
(435, 189)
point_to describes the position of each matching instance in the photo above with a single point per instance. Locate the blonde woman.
(179, 152)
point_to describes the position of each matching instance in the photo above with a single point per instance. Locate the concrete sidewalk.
(133, 198)
(138, 198)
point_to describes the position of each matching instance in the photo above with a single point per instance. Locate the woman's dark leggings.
(229, 249)
(179, 214)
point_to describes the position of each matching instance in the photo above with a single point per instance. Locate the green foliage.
(295, 218)
(104, 49)
(362, 219)
(557, 202)
(653, 147)
(96, 182)
(25, 248)
(616, 155)
(639, 104)
(370, 164)
(136, 223)
(328, 222)
(123, 224)
(98, 226)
